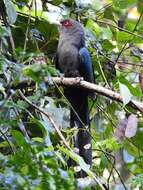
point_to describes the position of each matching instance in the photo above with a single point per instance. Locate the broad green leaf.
(108, 13)
(133, 150)
(129, 25)
(52, 71)
(96, 4)
(136, 91)
(79, 160)
(139, 136)
(11, 12)
(106, 33)
(110, 144)
(122, 4)
(33, 71)
(123, 37)
(125, 93)
(20, 140)
(94, 27)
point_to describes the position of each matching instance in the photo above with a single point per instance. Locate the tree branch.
(57, 129)
(96, 88)
(122, 29)
(80, 83)
(48, 116)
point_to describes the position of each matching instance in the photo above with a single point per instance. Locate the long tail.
(82, 141)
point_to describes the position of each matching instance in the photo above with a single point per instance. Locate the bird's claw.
(62, 77)
(79, 79)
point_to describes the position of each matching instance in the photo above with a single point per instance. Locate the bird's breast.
(68, 59)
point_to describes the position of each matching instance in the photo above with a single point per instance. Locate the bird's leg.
(61, 75)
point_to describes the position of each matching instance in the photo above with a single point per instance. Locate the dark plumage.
(73, 60)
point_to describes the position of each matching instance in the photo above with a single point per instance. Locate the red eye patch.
(66, 23)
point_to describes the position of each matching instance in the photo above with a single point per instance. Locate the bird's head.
(70, 26)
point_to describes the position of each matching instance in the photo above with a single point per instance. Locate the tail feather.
(79, 117)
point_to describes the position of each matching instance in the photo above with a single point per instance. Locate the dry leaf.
(131, 127)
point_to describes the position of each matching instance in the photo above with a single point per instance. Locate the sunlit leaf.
(120, 130)
(123, 4)
(127, 157)
(125, 93)
(11, 12)
(135, 90)
(79, 160)
(131, 128)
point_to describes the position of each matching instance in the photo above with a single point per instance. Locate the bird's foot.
(79, 79)
(62, 77)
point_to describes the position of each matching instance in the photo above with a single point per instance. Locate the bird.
(73, 60)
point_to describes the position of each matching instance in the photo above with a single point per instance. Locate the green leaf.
(129, 25)
(108, 13)
(96, 4)
(136, 91)
(122, 4)
(78, 159)
(110, 144)
(140, 6)
(106, 33)
(52, 71)
(4, 32)
(19, 138)
(138, 180)
(94, 27)
(33, 71)
(107, 45)
(125, 93)
(11, 12)
(123, 37)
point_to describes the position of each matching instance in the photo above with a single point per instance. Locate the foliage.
(32, 154)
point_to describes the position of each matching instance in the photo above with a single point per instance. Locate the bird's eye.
(66, 23)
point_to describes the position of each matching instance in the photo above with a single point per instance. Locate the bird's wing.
(56, 61)
(86, 64)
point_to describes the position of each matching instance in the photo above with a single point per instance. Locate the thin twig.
(114, 26)
(101, 70)
(113, 167)
(56, 128)
(48, 116)
(21, 125)
(104, 7)
(8, 141)
(119, 62)
(28, 24)
(106, 114)
(124, 46)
